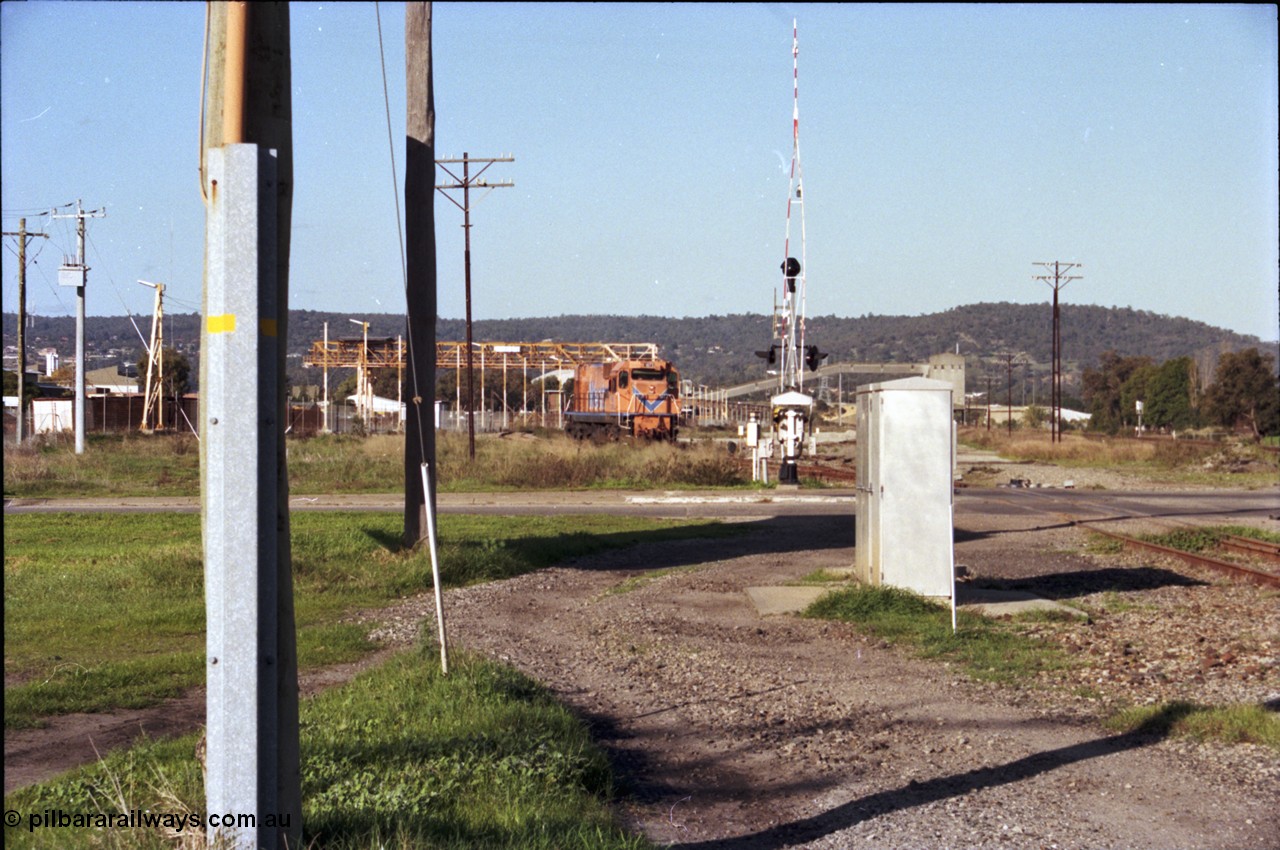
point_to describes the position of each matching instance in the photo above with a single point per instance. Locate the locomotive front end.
(655, 399)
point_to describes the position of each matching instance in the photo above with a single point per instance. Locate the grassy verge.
(1233, 724)
(400, 757)
(984, 648)
(128, 465)
(107, 611)
(170, 465)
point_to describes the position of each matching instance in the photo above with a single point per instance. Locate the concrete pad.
(1006, 603)
(792, 599)
(785, 600)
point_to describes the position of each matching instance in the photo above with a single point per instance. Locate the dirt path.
(70, 740)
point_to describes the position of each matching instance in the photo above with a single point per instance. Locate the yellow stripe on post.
(224, 323)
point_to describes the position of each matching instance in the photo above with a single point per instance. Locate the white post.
(324, 408)
(435, 568)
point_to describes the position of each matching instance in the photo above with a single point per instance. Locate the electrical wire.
(116, 289)
(194, 308)
(395, 192)
(204, 80)
(53, 289)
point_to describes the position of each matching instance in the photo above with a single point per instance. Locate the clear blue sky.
(945, 150)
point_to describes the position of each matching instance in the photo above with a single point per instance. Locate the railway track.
(812, 470)
(1248, 547)
(1252, 548)
(1251, 574)
(824, 472)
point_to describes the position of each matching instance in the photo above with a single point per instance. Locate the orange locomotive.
(638, 398)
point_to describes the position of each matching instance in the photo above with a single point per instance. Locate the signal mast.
(792, 408)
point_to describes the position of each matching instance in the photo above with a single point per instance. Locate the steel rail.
(1256, 576)
(1252, 547)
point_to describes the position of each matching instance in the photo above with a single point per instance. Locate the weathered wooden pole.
(420, 270)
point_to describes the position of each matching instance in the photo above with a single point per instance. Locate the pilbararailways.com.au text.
(141, 819)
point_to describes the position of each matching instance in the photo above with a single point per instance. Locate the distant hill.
(719, 350)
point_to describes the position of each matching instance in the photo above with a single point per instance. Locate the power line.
(76, 274)
(1057, 280)
(23, 236)
(465, 182)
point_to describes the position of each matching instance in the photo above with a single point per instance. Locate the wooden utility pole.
(1009, 359)
(246, 176)
(23, 236)
(420, 270)
(1057, 280)
(988, 403)
(465, 182)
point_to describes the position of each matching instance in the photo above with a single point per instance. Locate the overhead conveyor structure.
(389, 353)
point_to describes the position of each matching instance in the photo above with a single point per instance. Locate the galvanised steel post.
(239, 383)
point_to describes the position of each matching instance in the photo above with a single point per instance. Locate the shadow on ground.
(1069, 585)
(941, 788)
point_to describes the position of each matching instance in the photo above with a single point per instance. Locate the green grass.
(986, 649)
(644, 579)
(400, 757)
(1233, 724)
(1251, 532)
(819, 577)
(132, 465)
(107, 611)
(1208, 537)
(1098, 544)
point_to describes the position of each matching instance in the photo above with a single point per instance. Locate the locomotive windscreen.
(648, 374)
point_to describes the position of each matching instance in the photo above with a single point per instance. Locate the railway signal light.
(813, 357)
(791, 270)
(770, 356)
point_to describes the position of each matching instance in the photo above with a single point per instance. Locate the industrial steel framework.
(389, 353)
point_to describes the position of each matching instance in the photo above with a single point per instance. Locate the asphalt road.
(1207, 505)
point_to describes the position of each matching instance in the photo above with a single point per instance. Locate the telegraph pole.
(1057, 280)
(420, 271)
(75, 274)
(23, 236)
(465, 182)
(1009, 359)
(988, 403)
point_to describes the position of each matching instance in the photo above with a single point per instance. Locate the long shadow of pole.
(944, 787)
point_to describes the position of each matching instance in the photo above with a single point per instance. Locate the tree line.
(1243, 394)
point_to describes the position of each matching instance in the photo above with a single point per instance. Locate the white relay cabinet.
(906, 462)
